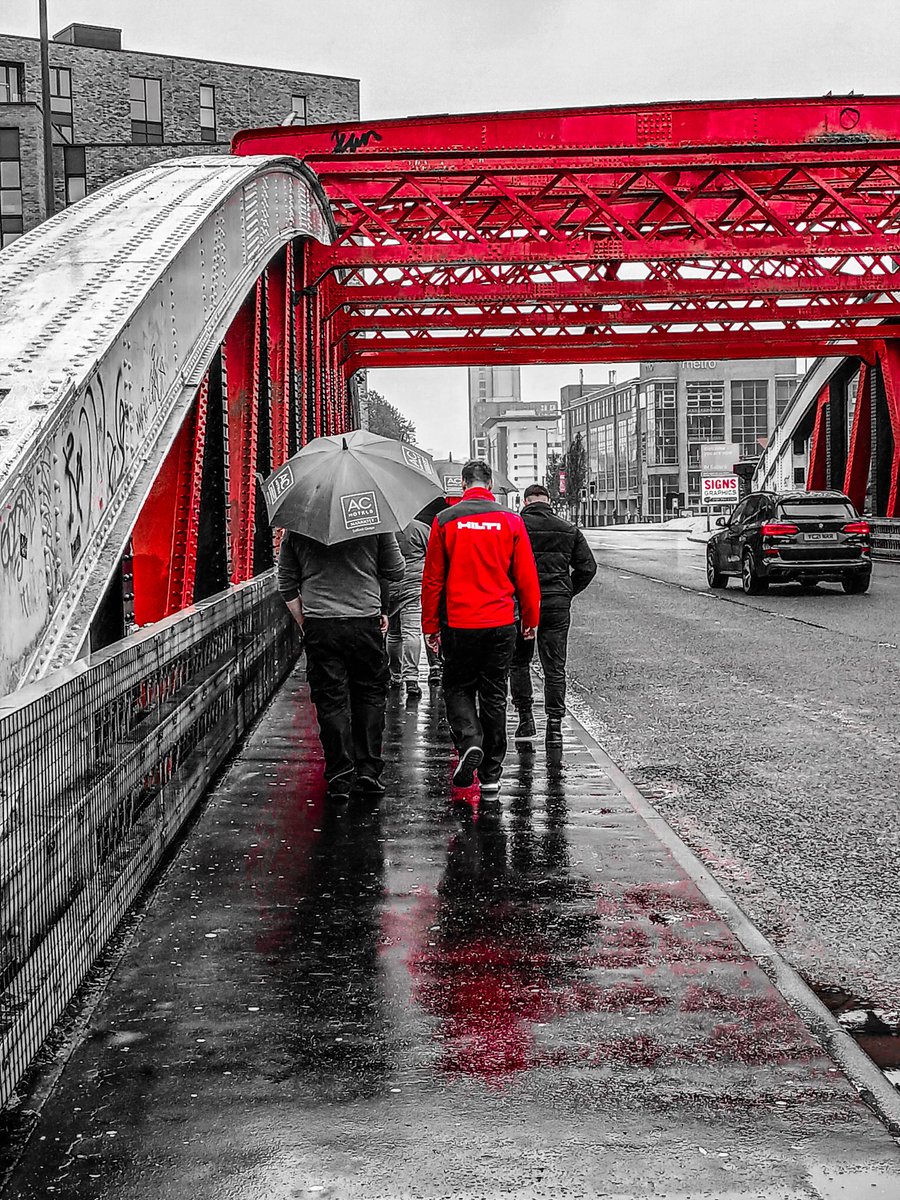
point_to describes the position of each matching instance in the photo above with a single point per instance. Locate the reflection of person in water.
(339, 1040)
(512, 923)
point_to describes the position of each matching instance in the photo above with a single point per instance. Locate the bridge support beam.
(859, 455)
(888, 431)
(164, 539)
(817, 474)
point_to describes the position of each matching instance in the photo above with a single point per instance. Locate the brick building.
(114, 111)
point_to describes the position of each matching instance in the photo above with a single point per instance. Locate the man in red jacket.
(479, 562)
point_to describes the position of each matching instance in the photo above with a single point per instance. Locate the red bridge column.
(164, 539)
(278, 340)
(241, 354)
(856, 476)
(889, 358)
(817, 474)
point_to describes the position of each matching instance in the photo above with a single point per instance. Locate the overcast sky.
(429, 56)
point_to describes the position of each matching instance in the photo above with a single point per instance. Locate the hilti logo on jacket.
(480, 560)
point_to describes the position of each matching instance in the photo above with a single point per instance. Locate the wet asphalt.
(436, 997)
(766, 730)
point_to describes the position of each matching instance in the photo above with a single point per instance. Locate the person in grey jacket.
(404, 639)
(334, 593)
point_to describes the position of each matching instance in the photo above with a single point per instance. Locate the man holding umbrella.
(340, 500)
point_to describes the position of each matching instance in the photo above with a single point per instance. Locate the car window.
(816, 510)
(752, 507)
(738, 515)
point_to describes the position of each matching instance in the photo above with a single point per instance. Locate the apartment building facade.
(114, 111)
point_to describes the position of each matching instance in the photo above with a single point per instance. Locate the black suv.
(791, 537)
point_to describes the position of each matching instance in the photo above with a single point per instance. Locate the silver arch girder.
(109, 316)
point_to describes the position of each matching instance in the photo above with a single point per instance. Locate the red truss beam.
(440, 220)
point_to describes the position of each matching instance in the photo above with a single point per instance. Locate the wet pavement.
(767, 732)
(435, 997)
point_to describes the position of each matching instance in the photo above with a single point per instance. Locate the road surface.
(766, 728)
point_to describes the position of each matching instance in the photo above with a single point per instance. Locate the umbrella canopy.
(350, 485)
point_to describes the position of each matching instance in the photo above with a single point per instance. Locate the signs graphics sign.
(719, 489)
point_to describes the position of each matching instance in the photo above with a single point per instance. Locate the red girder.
(890, 368)
(817, 472)
(241, 358)
(753, 200)
(856, 476)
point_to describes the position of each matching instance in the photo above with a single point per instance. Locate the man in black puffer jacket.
(565, 568)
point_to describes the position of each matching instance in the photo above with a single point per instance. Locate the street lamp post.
(50, 200)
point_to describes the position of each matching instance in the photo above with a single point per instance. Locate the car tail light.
(778, 529)
(858, 527)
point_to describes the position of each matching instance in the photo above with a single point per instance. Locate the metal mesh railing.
(100, 764)
(885, 537)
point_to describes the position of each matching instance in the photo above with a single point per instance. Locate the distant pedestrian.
(479, 563)
(335, 594)
(404, 640)
(565, 567)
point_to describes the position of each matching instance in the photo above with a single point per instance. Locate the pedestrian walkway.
(522, 998)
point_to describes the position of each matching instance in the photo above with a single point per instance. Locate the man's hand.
(295, 607)
(528, 634)
(383, 623)
(433, 642)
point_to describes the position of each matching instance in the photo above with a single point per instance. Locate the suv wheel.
(750, 581)
(855, 585)
(714, 577)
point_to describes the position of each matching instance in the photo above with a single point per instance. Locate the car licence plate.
(820, 537)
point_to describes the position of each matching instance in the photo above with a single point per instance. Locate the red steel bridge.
(171, 336)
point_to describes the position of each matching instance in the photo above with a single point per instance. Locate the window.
(784, 391)
(706, 410)
(207, 113)
(146, 111)
(298, 105)
(75, 173)
(11, 224)
(749, 414)
(665, 425)
(61, 105)
(12, 83)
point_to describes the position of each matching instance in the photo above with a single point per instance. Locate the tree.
(554, 466)
(386, 420)
(576, 472)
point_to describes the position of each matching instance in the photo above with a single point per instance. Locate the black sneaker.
(435, 674)
(554, 736)
(370, 786)
(413, 690)
(469, 761)
(395, 681)
(526, 730)
(490, 787)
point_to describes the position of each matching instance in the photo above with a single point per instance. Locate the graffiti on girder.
(349, 143)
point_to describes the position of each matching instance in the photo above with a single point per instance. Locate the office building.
(644, 438)
(114, 111)
(521, 442)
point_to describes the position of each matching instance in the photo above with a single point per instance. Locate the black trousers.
(552, 639)
(347, 670)
(476, 677)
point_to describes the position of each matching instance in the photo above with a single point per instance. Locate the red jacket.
(479, 560)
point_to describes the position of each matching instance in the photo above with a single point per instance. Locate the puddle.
(875, 1030)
